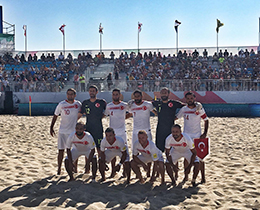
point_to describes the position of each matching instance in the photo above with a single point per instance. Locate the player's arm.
(54, 119)
(206, 127)
(167, 151)
(102, 156)
(139, 162)
(154, 111)
(91, 154)
(128, 115)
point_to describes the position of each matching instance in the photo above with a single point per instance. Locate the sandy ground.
(28, 158)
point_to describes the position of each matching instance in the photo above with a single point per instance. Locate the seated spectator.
(61, 57)
(205, 53)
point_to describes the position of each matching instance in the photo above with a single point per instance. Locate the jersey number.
(67, 111)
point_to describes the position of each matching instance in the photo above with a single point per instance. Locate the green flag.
(219, 24)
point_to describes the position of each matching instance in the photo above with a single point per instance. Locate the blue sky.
(120, 17)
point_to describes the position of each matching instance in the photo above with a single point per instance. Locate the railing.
(144, 85)
(117, 52)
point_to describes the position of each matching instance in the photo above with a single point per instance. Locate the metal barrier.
(144, 85)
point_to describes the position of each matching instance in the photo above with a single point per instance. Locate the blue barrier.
(212, 110)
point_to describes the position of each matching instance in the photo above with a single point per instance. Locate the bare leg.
(76, 166)
(102, 170)
(113, 164)
(94, 168)
(127, 167)
(161, 171)
(186, 163)
(69, 169)
(137, 171)
(195, 173)
(60, 158)
(202, 171)
(148, 173)
(169, 171)
(87, 166)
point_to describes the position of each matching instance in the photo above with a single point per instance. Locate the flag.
(176, 24)
(202, 147)
(219, 24)
(139, 27)
(100, 29)
(62, 28)
(24, 28)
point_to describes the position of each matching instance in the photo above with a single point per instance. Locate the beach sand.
(28, 165)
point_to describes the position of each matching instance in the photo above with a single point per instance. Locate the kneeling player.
(82, 143)
(110, 147)
(144, 152)
(180, 145)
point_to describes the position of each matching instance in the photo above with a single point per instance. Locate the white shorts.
(110, 154)
(148, 159)
(176, 156)
(75, 154)
(135, 136)
(121, 133)
(62, 139)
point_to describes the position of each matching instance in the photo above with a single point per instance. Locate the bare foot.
(71, 179)
(86, 171)
(58, 172)
(203, 181)
(141, 181)
(103, 179)
(152, 179)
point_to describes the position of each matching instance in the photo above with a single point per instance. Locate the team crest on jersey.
(97, 105)
(144, 107)
(155, 156)
(184, 144)
(170, 104)
(85, 143)
(121, 107)
(76, 106)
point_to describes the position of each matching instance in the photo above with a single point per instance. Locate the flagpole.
(138, 41)
(100, 43)
(25, 41)
(176, 43)
(64, 44)
(259, 33)
(217, 42)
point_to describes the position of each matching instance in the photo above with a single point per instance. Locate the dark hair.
(81, 123)
(109, 130)
(73, 90)
(190, 93)
(116, 90)
(138, 91)
(176, 126)
(93, 86)
(142, 132)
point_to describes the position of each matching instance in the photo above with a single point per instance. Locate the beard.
(138, 101)
(79, 133)
(164, 98)
(116, 99)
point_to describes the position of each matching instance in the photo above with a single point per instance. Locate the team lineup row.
(168, 135)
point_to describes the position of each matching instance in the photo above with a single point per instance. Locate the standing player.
(140, 110)
(180, 145)
(94, 109)
(192, 124)
(68, 110)
(82, 143)
(145, 152)
(112, 146)
(116, 110)
(166, 110)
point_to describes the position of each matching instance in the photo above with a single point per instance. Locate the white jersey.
(149, 151)
(116, 113)
(83, 145)
(192, 119)
(69, 115)
(118, 145)
(185, 143)
(141, 115)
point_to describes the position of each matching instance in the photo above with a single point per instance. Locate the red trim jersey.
(149, 151)
(141, 115)
(118, 145)
(192, 120)
(182, 146)
(82, 145)
(69, 115)
(116, 113)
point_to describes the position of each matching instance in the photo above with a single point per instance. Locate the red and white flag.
(176, 24)
(24, 29)
(100, 29)
(62, 28)
(139, 27)
(202, 147)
